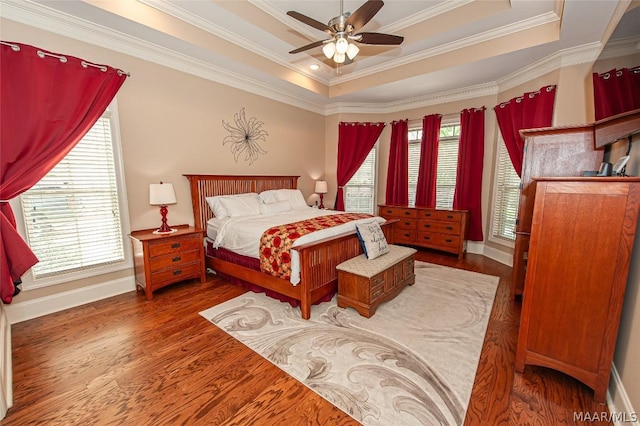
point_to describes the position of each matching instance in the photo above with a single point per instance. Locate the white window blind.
(359, 192)
(72, 216)
(447, 164)
(507, 196)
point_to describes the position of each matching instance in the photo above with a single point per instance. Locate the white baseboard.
(623, 413)
(6, 376)
(23, 311)
(478, 247)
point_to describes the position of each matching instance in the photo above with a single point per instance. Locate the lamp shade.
(321, 187)
(161, 194)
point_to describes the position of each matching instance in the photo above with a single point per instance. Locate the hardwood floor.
(129, 361)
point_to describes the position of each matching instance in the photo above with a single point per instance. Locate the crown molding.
(40, 16)
(426, 14)
(587, 53)
(503, 31)
(621, 47)
(453, 95)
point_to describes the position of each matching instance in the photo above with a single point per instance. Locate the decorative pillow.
(277, 207)
(293, 196)
(241, 206)
(218, 208)
(372, 239)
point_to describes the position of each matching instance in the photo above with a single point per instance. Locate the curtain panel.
(529, 111)
(616, 91)
(49, 102)
(468, 192)
(355, 140)
(397, 192)
(428, 168)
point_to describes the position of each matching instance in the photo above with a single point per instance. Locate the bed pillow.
(293, 196)
(241, 206)
(216, 206)
(277, 207)
(372, 239)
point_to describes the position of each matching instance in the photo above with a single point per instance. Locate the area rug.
(412, 363)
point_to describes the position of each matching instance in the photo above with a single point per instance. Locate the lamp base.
(170, 231)
(321, 206)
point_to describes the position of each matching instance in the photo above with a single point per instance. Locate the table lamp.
(162, 194)
(321, 189)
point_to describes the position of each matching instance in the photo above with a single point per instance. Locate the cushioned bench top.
(364, 267)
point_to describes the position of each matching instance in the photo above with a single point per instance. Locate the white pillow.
(372, 239)
(241, 206)
(277, 207)
(294, 196)
(218, 209)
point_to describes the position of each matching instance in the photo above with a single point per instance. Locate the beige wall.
(171, 123)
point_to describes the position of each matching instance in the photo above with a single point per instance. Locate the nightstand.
(161, 260)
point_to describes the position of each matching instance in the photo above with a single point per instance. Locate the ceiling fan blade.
(360, 17)
(310, 21)
(308, 46)
(378, 38)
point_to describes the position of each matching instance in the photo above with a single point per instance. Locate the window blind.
(507, 196)
(415, 137)
(72, 216)
(359, 193)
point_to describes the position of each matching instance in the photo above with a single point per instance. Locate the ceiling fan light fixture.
(339, 58)
(342, 45)
(329, 49)
(352, 51)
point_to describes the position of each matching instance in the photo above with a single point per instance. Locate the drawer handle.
(449, 216)
(175, 245)
(376, 294)
(407, 223)
(407, 213)
(177, 272)
(407, 235)
(426, 225)
(427, 238)
(389, 211)
(177, 259)
(448, 240)
(450, 228)
(427, 214)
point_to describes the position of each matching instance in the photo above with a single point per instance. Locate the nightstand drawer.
(173, 259)
(174, 245)
(176, 274)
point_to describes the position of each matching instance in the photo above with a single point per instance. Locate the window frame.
(501, 154)
(28, 280)
(374, 201)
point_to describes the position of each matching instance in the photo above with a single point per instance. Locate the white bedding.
(242, 234)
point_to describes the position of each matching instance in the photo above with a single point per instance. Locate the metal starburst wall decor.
(244, 137)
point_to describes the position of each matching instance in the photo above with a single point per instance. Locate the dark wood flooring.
(129, 361)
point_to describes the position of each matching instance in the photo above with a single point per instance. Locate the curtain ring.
(618, 73)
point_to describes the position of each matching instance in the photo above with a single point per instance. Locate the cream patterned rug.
(412, 363)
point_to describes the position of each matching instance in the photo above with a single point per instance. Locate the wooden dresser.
(161, 260)
(444, 230)
(582, 235)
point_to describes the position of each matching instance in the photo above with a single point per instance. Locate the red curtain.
(616, 91)
(426, 187)
(355, 140)
(530, 111)
(397, 192)
(468, 193)
(49, 102)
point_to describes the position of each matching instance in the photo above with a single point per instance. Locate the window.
(72, 217)
(507, 196)
(359, 192)
(447, 164)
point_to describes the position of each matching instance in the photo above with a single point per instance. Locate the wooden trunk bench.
(363, 284)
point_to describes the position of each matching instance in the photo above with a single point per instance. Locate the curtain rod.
(63, 59)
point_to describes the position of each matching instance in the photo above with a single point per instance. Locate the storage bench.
(363, 284)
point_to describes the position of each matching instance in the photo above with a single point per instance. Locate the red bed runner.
(276, 243)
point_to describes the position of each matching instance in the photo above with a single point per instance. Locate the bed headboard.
(203, 186)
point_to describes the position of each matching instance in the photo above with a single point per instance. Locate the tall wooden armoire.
(582, 235)
(559, 151)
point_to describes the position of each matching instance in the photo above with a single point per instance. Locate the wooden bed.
(318, 260)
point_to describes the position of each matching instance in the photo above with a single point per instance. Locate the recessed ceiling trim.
(621, 47)
(526, 24)
(426, 14)
(195, 20)
(267, 7)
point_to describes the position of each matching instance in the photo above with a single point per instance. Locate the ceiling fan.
(342, 31)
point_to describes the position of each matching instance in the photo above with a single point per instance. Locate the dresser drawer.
(439, 240)
(444, 215)
(437, 226)
(398, 212)
(404, 235)
(173, 259)
(160, 248)
(178, 273)
(409, 224)
(377, 284)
